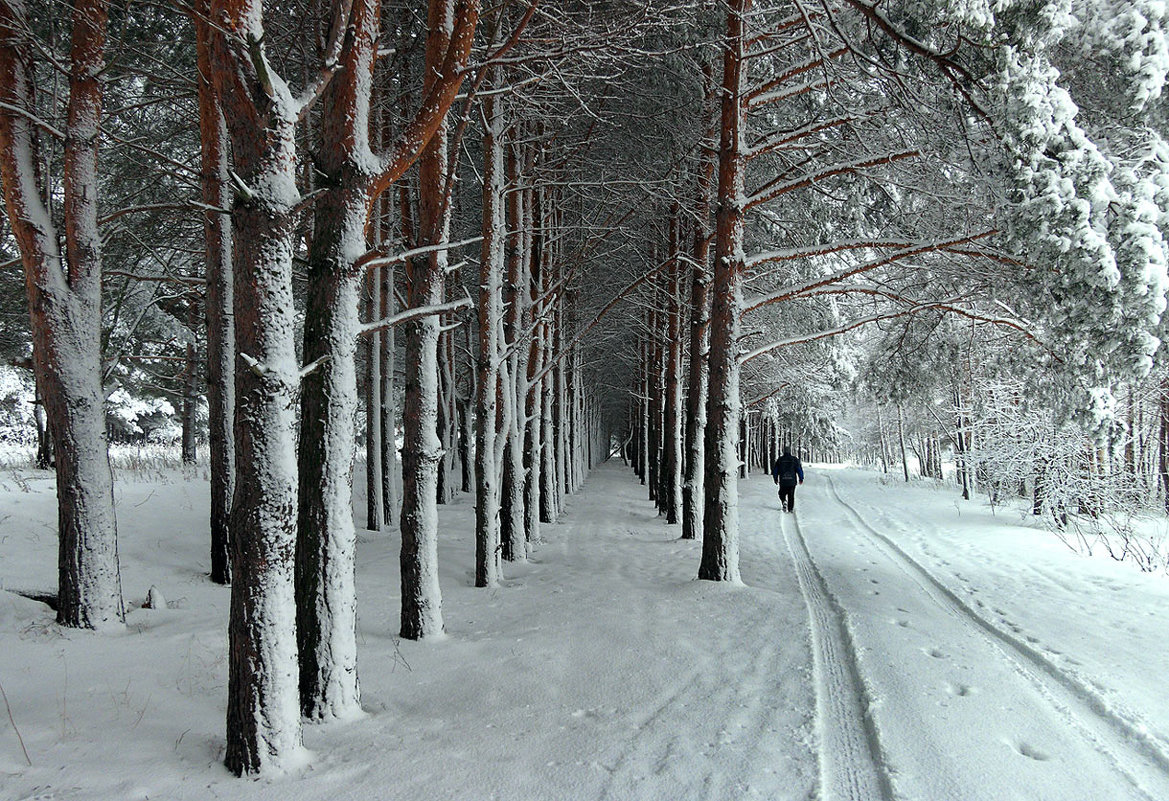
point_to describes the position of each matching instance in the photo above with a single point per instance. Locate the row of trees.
(289, 242)
(790, 194)
(966, 210)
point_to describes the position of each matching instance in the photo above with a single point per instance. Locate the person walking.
(787, 472)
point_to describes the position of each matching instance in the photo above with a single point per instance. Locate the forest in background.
(503, 243)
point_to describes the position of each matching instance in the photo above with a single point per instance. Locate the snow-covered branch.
(413, 314)
(312, 367)
(770, 191)
(840, 329)
(35, 120)
(761, 94)
(807, 287)
(373, 260)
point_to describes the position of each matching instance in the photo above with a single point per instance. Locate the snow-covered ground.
(890, 643)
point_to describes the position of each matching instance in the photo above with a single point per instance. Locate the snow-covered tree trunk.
(561, 414)
(327, 543)
(653, 385)
(720, 543)
(530, 268)
(422, 449)
(466, 434)
(1163, 442)
(487, 544)
(263, 716)
(515, 521)
(447, 421)
(64, 300)
(376, 514)
(644, 415)
(188, 451)
(549, 510)
(672, 397)
(901, 442)
(389, 416)
(579, 432)
(699, 340)
(533, 455)
(375, 439)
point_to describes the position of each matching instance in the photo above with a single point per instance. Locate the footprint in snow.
(1031, 752)
(960, 690)
(936, 653)
(902, 623)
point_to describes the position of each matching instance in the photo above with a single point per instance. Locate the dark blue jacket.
(786, 470)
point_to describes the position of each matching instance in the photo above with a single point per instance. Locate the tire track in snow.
(852, 767)
(1120, 740)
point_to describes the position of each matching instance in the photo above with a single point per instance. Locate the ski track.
(852, 767)
(1126, 743)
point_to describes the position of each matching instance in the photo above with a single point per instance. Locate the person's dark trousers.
(787, 498)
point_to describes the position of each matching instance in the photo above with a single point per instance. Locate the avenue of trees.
(493, 245)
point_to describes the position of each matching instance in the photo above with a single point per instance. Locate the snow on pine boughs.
(1132, 34)
(1086, 221)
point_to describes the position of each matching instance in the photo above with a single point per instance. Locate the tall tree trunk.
(188, 449)
(466, 437)
(326, 552)
(644, 407)
(654, 394)
(64, 300)
(692, 488)
(263, 716)
(487, 544)
(720, 544)
(561, 415)
(1130, 440)
(532, 270)
(422, 449)
(389, 416)
(375, 438)
(517, 521)
(901, 442)
(672, 397)
(548, 508)
(215, 179)
(447, 424)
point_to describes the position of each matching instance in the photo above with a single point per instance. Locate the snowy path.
(889, 644)
(961, 707)
(851, 767)
(719, 725)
